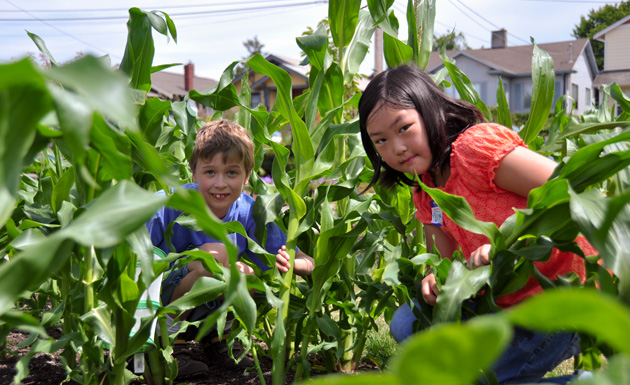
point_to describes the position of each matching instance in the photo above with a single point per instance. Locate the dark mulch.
(46, 369)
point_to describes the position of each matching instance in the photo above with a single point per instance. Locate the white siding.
(617, 55)
(584, 79)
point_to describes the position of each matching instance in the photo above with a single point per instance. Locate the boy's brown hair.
(226, 137)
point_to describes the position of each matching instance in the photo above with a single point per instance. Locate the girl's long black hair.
(444, 117)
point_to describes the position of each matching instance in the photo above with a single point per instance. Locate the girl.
(410, 127)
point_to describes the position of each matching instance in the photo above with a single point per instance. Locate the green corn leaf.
(102, 89)
(115, 214)
(358, 46)
(468, 348)
(151, 118)
(24, 100)
(302, 145)
(543, 79)
(605, 222)
(460, 212)
(464, 86)
(396, 52)
(461, 284)
(425, 18)
(138, 57)
(583, 310)
(503, 109)
(617, 94)
(343, 16)
(39, 42)
(379, 11)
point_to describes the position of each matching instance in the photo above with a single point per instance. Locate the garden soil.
(46, 369)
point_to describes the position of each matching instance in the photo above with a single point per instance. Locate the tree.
(598, 20)
(253, 46)
(450, 41)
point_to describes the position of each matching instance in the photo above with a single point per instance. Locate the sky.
(210, 33)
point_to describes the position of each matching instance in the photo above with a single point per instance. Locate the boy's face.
(220, 183)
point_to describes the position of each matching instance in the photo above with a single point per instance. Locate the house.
(616, 39)
(175, 87)
(263, 89)
(573, 63)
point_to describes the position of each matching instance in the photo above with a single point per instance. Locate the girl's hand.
(282, 259)
(429, 289)
(244, 268)
(480, 257)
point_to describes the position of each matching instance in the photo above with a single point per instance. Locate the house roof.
(621, 77)
(600, 36)
(169, 84)
(517, 60)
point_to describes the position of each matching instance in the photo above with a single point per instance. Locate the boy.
(221, 162)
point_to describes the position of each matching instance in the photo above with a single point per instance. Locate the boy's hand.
(429, 289)
(282, 259)
(480, 257)
(244, 268)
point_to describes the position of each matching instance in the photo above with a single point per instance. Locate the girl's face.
(400, 137)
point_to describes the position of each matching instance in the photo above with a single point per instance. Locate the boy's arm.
(303, 264)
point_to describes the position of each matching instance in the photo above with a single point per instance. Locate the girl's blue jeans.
(527, 359)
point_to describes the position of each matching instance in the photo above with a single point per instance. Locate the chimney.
(189, 76)
(499, 39)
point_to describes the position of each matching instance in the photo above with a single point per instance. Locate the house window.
(518, 96)
(587, 98)
(255, 99)
(527, 96)
(481, 89)
(575, 94)
(557, 92)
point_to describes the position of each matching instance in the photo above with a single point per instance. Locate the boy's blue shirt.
(186, 239)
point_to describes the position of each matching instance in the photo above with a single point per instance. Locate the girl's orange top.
(474, 159)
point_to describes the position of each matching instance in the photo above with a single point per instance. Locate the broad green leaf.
(599, 167)
(617, 94)
(379, 11)
(151, 118)
(414, 32)
(204, 290)
(24, 100)
(331, 93)
(461, 284)
(115, 214)
(460, 212)
(425, 19)
(503, 109)
(37, 262)
(471, 346)
(315, 47)
(617, 371)
(543, 79)
(39, 42)
(101, 88)
(302, 145)
(605, 222)
(396, 52)
(75, 120)
(61, 191)
(114, 149)
(358, 47)
(245, 307)
(138, 57)
(343, 16)
(363, 378)
(583, 310)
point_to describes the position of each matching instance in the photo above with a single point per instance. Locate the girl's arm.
(520, 171)
(523, 170)
(444, 244)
